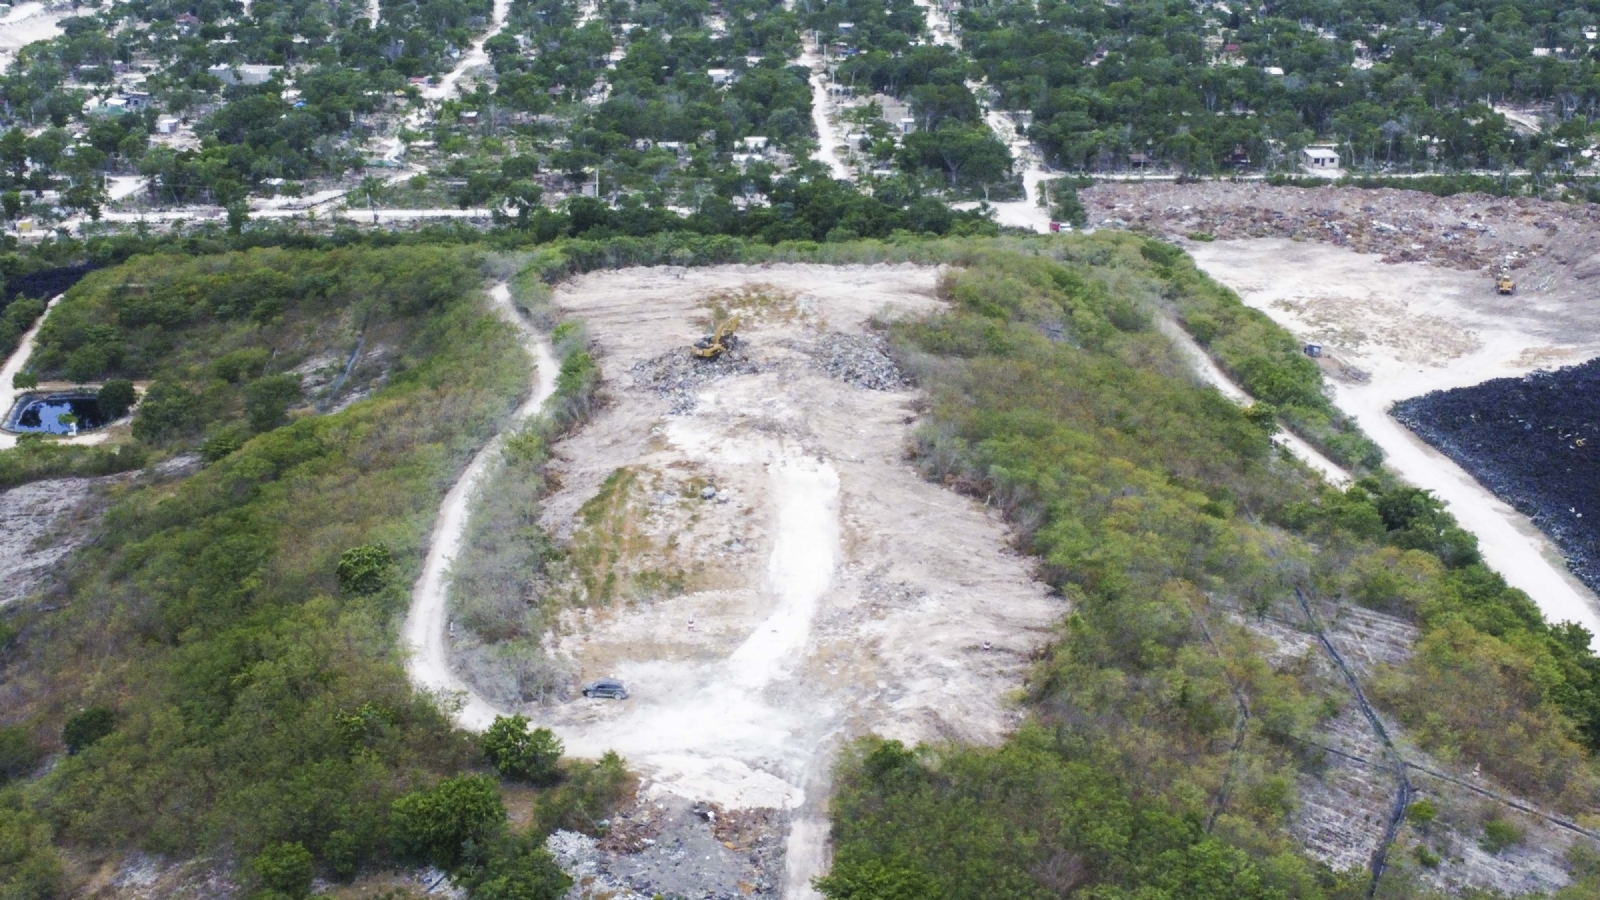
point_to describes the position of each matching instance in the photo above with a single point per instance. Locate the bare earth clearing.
(819, 589)
(1396, 328)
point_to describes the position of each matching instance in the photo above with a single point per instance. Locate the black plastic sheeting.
(46, 283)
(1533, 441)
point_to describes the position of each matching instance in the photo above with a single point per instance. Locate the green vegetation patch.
(245, 655)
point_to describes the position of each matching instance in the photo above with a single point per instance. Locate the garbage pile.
(1533, 441)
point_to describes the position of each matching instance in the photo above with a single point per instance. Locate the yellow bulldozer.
(1504, 285)
(721, 341)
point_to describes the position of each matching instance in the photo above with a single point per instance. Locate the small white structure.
(167, 125)
(1320, 159)
(1274, 71)
(245, 74)
(720, 77)
(907, 124)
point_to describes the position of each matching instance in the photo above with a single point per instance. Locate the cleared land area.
(1423, 316)
(762, 566)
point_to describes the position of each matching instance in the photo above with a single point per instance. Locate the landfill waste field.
(1532, 441)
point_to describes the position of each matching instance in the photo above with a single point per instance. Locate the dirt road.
(1415, 328)
(475, 56)
(426, 626)
(829, 148)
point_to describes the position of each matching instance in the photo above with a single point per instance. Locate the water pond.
(64, 414)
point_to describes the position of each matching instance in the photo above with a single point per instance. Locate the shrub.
(434, 824)
(87, 727)
(364, 569)
(25, 381)
(285, 868)
(1498, 834)
(523, 871)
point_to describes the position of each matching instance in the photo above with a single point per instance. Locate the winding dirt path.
(427, 626)
(1209, 372)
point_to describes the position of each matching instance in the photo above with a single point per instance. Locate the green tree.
(435, 824)
(116, 397)
(87, 727)
(519, 753)
(285, 868)
(266, 400)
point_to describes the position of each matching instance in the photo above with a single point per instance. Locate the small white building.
(1320, 159)
(720, 77)
(246, 74)
(167, 125)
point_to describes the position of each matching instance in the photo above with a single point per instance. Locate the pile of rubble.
(861, 360)
(1465, 231)
(679, 374)
(671, 847)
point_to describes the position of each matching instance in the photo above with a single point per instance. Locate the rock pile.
(1533, 441)
(678, 374)
(861, 360)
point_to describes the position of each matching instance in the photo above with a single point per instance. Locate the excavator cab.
(714, 345)
(1504, 285)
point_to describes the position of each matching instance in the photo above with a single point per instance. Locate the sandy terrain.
(830, 590)
(1416, 328)
(27, 23)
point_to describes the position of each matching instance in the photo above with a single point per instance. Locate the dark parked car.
(608, 688)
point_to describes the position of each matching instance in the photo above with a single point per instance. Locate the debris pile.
(861, 360)
(1533, 442)
(679, 374)
(670, 847)
(1472, 232)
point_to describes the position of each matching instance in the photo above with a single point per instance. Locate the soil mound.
(1533, 441)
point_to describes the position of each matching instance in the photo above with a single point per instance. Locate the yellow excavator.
(1504, 285)
(718, 343)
